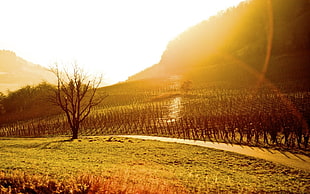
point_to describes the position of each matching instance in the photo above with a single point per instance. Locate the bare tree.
(76, 95)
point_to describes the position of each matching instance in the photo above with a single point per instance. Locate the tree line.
(74, 94)
(27, 102)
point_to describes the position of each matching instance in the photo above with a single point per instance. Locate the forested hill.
(232, 43)
(16, 72)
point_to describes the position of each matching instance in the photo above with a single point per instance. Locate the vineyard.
(251, 116)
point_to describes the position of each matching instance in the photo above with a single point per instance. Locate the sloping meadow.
(124, 165)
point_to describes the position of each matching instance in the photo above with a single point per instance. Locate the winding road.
(298, 161)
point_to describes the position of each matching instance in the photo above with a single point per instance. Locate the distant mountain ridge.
(219, 48)
(16, 72)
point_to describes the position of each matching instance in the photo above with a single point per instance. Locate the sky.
(115, 38)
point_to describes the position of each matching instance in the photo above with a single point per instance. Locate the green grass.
(153, 165)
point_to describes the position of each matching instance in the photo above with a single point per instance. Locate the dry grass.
(119, 182)
(124, 165)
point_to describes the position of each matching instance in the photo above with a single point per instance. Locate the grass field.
(123, 165)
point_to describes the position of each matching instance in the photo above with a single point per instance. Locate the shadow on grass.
(24, 143)
(58, 143)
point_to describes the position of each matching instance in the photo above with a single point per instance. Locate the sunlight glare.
(117, 38)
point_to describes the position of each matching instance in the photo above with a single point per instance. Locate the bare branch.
(75, 94)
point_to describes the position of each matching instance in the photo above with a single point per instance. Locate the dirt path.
(285, 158)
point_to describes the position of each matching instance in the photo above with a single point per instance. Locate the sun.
(115, 38)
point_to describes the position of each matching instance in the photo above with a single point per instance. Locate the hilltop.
(232, 46)
(16, 72)
(229, 49)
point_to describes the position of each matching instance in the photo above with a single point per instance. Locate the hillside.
(232, 46)
(16, 72)
(227, 50)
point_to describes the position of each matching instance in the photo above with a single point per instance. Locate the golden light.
(117, 38)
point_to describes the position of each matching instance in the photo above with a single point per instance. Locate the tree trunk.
(75, 132)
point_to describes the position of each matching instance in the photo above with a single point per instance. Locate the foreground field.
(116, 165)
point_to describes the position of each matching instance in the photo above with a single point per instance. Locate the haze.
(115, 38)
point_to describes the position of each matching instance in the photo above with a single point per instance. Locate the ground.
(146, 165)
